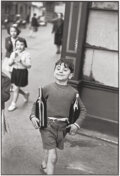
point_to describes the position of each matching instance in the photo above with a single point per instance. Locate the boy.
(59, 97)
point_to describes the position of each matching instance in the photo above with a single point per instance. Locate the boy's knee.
(53, 158)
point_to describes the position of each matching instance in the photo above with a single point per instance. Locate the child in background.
(59, 96)
(13, 32)
(20, 60)
(10, 47)
(10, 41)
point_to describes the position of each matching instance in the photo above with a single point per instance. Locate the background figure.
(28, 19)
(18, 20)
(21, 61)
(10, 47)
(58, 31)
(34, 24)
(5, 95)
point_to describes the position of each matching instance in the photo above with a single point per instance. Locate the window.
(101, 47)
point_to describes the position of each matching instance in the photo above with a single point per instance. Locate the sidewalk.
(81, 155)
(100, 136)
(22, 148)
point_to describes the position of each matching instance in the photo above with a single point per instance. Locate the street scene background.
(21, 149)
(22, 146)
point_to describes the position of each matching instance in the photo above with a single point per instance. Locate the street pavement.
(22, 147)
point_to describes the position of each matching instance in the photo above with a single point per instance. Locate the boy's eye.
(58, 67)
(65, 69)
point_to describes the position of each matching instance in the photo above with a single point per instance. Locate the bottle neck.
(39, 93)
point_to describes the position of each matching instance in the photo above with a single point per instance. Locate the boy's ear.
(71, 75)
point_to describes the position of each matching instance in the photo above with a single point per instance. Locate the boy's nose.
(61, 69)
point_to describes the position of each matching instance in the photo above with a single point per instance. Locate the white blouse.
(20, 60)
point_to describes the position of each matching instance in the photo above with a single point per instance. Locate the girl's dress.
(22, 62)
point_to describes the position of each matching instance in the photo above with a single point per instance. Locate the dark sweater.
(59, 99)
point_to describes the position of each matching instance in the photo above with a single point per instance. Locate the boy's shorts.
(53, 136)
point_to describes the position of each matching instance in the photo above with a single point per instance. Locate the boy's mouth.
(60, 74)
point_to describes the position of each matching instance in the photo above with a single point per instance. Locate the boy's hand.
(35, 122)
(73, 129)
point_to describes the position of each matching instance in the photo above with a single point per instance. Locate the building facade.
(9, 9)
(91, 42)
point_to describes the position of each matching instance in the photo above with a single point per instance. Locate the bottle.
(74, 110)
(41, 110)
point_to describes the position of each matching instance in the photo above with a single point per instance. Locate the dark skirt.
(19, 77)
(58, 39)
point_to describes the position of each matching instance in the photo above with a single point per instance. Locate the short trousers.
(54, 135)
(19, 77)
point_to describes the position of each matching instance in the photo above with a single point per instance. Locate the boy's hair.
(20, 39)
(67, 62)
(18, 30)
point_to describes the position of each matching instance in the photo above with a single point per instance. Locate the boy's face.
(62, 73)
(20, 46)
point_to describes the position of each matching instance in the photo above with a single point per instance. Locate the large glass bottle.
(41, 109)
(74, 111)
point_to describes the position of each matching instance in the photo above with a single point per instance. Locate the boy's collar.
(61, 85)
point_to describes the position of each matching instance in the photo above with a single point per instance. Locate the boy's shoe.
(58, 52)
(26, 97)
(12, 107)
(42, 170)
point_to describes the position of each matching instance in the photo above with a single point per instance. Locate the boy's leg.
(45, 159)
(52, 159)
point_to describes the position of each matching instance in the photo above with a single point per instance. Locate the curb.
(99, 136)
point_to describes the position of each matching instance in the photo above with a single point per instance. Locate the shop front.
(91, 42)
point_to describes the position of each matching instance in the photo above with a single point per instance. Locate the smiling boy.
(59, 97)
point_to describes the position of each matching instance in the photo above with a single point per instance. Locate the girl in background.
(10, 47)
(13, 32)
(20, 59)
(10, 41)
